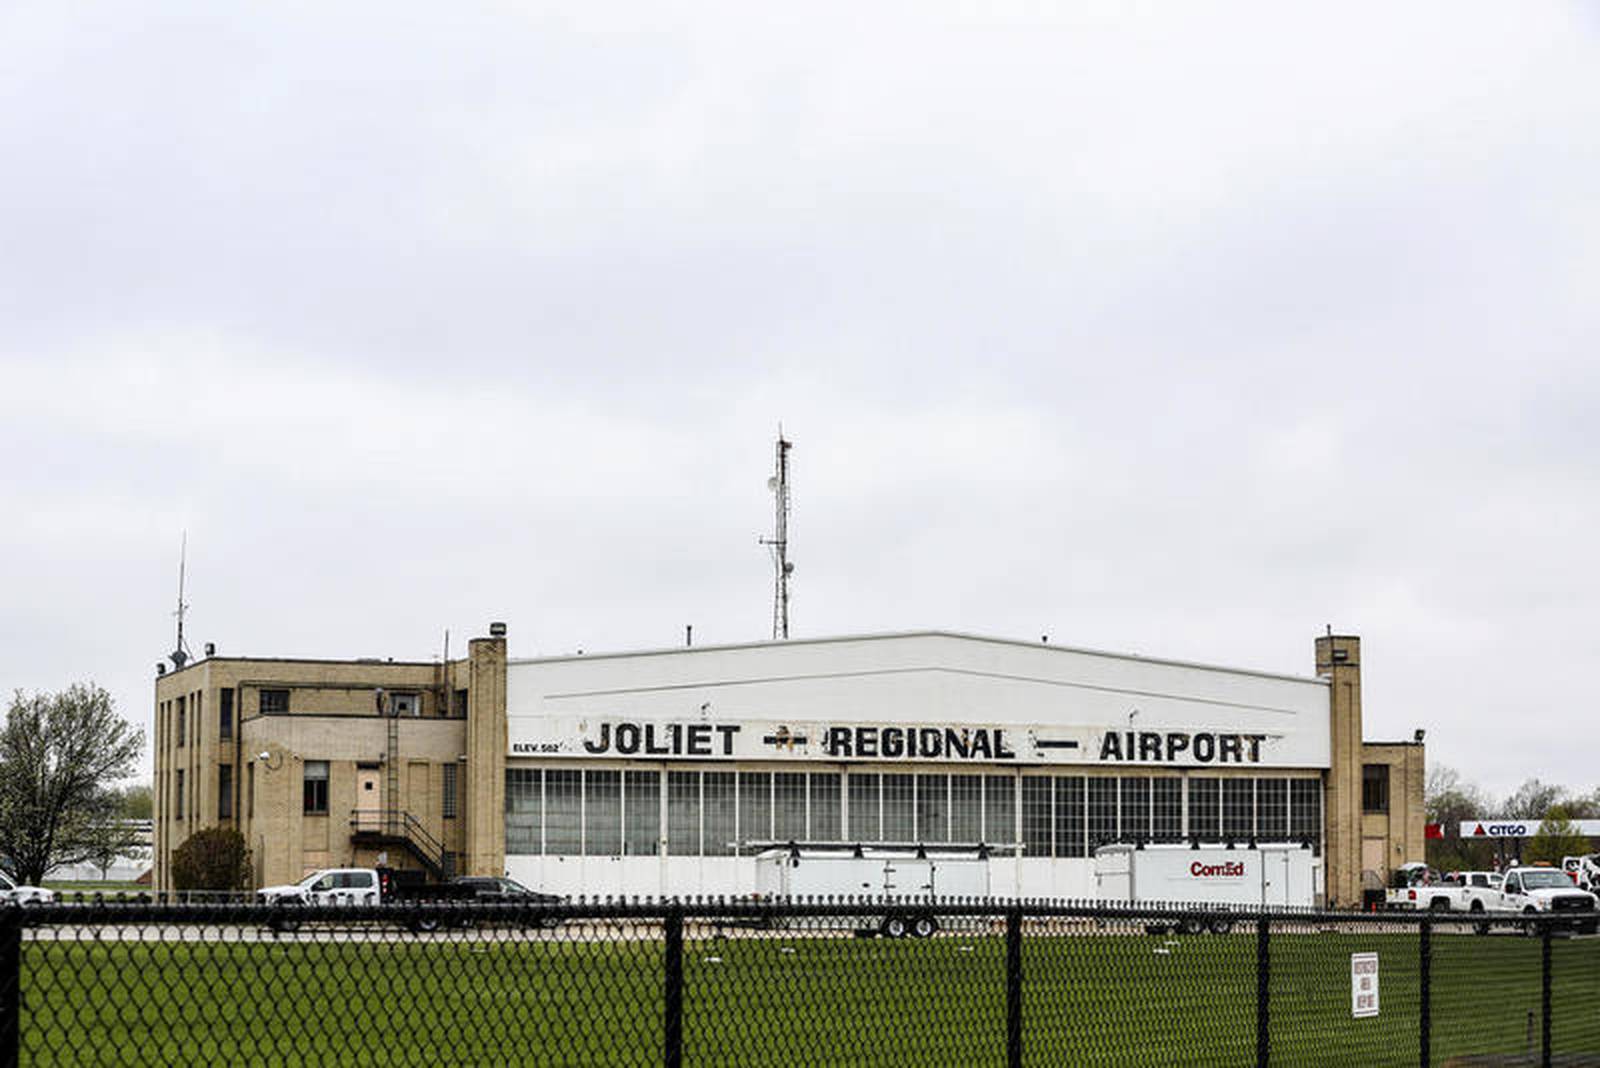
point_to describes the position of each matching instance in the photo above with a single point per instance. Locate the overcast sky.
(1178, 329)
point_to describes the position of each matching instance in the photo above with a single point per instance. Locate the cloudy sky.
(1181, 329)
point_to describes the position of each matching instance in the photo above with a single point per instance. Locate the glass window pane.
(1305, 815)
(721, 824)
(755, 808)
(789, 806)
(1238, 809)
(825, 806)
(563, 808)
(643, 815)
(1205, 819)
(1272, 808)
(524, 809)
(899, 808)
(683, 813)
(602, 813)
(1000, 809)
(1166, 810)
(864, 826)
(1135, 809)
(1069, 816)
(933, 808)
(966, 808)
(1102, 809)
(1037, 816)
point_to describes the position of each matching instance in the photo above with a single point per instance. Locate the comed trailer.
(1263, 876)
(907, 883)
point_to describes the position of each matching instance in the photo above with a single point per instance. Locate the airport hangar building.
(663, 772)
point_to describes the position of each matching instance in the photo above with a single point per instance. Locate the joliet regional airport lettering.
(628, 738)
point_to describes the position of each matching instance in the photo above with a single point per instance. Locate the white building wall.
(566, 713)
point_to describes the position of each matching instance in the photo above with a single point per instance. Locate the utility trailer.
(1264, 875)
(904, 884)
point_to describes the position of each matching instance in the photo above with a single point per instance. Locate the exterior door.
(369, 800)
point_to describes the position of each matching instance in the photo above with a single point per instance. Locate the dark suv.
(498, 890)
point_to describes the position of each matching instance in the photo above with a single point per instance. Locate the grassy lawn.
(1091, 1000)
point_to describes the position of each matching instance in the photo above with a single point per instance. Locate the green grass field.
(1088, 1000)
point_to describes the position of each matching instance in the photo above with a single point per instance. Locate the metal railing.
(822, 981)
(399, 827)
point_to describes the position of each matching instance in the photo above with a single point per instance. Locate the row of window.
(722, 813)
(175, 716)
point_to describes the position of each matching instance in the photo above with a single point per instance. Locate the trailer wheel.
(1191, 925)
(924, 926)
(1439, 904)
(425, 924)
(894, 927)
(1221, 927)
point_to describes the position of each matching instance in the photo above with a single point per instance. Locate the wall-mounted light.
(1417, 737)
(266, 755)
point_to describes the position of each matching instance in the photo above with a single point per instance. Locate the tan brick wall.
(333, 717)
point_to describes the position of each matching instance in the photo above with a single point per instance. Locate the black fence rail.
(821, 982)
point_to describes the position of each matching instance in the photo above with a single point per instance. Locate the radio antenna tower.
(180, 655)
(779, 542)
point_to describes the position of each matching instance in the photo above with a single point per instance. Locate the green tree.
(59, 755)
(1530, 801)
(1556, 838)
(1450, 801)
(138, 802)
(214, 858)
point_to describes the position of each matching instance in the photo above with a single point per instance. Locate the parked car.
(12, 893)
(499, 890)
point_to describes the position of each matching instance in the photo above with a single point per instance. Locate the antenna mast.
(180, 655)
(779, 542)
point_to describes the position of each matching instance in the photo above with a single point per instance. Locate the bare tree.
(1531, 800)
(59, 755)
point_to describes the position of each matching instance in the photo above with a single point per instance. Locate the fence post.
(1014, 987)
(672, 1023)
(1544, 988)
(1425, 971)
(1263, 990)
(10, 984)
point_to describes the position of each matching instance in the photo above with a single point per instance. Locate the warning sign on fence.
(1363, 984)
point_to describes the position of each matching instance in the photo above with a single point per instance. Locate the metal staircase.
(391, 827)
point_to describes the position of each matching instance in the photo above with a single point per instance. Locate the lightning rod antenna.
(779, 542)
(180, 654)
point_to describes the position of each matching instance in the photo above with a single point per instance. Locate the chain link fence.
(801, 983)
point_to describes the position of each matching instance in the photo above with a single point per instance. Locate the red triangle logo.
(1477, 830)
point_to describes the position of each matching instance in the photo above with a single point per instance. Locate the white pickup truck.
(1549, 891)
(362, 886)
(1466, 891)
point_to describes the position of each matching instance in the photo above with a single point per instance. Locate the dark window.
(274, 702)
(195, 719)
(250, 790)
(460, 705)
(182, 731)
(177, 798)
(225, 792)
(448, 806)
(1375, 788)
(316, 788)
(225, 716)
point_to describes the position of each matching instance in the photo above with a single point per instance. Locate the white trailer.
(907, 884)
(1270, 875)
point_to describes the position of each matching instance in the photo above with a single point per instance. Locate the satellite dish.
(772, 484)
(788, 568)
